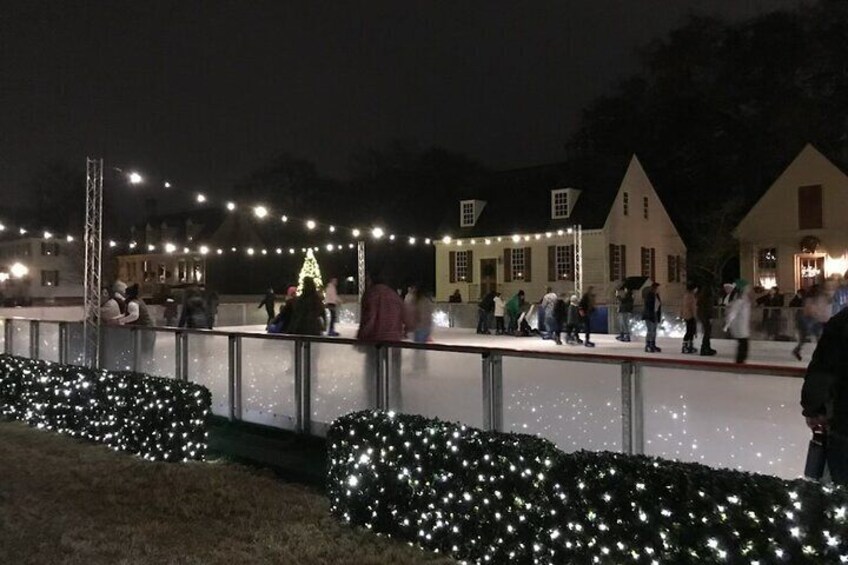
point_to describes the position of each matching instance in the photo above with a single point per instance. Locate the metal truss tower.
(93, 256)
(577, 233)
(360, 270)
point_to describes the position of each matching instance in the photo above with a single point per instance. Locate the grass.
(67, 501)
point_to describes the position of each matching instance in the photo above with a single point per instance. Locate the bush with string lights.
(155, 418)
(486, 497)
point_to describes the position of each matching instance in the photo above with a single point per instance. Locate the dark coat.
(307, 315)
(488, 302)
(560, 312)
(625, 303)
(825, 390)
(587, 305)
(704, 304)
(650, 313)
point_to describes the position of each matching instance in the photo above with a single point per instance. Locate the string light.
(332, 229)
(377, 233)
(47, 235)
(231, 206)
(201, 198)
(310, 224)
(155, 418)
(485, 497)
(69, 239)
(135, 178)
(260, 212)
(284, 218)
(170, 248)
(204, 250)
(167, 184)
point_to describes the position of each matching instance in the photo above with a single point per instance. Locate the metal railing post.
(7, 336)
(181, 356)
(233, 375)
(135, 338)
(486, 388)
(304, 400)
(63, 343)
(638, 428)
(381, 354)
(627, 407)
(33, 339)
(496, 360)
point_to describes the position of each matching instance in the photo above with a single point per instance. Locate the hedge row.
(488, 497)
(156, 418)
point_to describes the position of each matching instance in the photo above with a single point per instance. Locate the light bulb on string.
(446, 240)
(427, 241)
(377, 232)
(355, 232)
(411, 240)
(392, 237)
(200, 198)
(204, 250)
(47, 235)
(250, 251)
(69, 239)
(135, 178)
(170, 248)
(231, 206)
(332, 229)
(167, 184)
(284, 218)
(310, 224)
(260, 212)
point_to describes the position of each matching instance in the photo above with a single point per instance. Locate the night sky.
(204, 92)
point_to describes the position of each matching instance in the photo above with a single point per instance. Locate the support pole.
(93, 255)
(360, 271)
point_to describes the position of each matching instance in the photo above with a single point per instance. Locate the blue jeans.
(624, 323)
(551, 328)
(652, 331)
(482, 321)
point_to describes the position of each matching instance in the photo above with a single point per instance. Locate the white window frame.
(467, 213)
(518, 263)
(460, 265)
(564, 266)
(561, 209)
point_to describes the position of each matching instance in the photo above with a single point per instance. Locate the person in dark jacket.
(705, 311)
(210, 303)
(625, 313)
(484, 311)
(560, 317)
(586, 308)
(307, 311)
(572, 321)
(824, 396)
(652, 315)
(193, 314)
(268, 302)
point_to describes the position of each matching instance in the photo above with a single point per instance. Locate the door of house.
(488, 276)
(810, 270)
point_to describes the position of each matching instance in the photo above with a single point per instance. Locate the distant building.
(53, 270)
(514, 234)
(796, 235)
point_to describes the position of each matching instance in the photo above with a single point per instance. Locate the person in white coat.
(499, 314)
(738, 320)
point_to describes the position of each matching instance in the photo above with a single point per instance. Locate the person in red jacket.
(382, 313)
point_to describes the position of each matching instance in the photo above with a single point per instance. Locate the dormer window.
(559, 203)
(467, 214)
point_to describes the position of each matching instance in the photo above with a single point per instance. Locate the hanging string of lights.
(336, 237)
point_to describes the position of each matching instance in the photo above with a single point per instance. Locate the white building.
(796, 235)
(54, 269)
(515, 235)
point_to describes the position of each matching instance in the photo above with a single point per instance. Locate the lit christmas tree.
(310, 269)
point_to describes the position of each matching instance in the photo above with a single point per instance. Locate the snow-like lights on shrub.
(155, 418)
(485, 497)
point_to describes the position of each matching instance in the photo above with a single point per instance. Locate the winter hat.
(574, 300)
(119, 286)
(741, 284)
(728, 287)
(291, 291)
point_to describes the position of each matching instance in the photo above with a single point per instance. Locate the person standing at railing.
(513, 309)
(840, 295)
(332, 302)
(687, 312)
(484, 310)
(115, 305)
(383, 316)
(307, 311)
(210, 304)
(652, 316)
(586, 308)
(705, 310)
(423, 320)
(812, 318)
(738, 320)
(499, 306)
(625, 313)
(268, 302)
(572, 321)
(548, 329)
(193, 313)
(824, 396)
(138, 315)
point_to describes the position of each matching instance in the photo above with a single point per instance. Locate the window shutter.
(623, 262)
(507, 265)
(653, 264)
(528, 266)
(552, 263)
(611, 262)
(452, 268)
(470, 266)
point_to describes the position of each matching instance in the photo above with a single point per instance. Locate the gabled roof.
(518, 200)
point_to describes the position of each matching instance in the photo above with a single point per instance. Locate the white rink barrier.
(744, 417)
